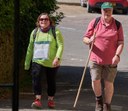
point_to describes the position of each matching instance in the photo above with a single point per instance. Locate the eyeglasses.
(45, 19)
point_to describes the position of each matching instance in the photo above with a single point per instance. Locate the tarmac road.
(75, 53)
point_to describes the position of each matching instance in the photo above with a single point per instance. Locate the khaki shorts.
(106, 72)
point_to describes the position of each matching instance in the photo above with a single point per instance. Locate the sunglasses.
(45, 19)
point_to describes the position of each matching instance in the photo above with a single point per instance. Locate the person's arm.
(119, 49)
(88, 41)
(120, 46)
(89, 34)
(29, 53)
(116, 58)
(60, 44)
(60, 48)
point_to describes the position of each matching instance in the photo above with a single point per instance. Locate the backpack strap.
(98, 18)
(54, 32)
(34, 33)
(117, 24)
(96, 21)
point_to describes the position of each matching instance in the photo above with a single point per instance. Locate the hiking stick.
(84, 73)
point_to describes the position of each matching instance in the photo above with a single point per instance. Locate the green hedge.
(29, 11)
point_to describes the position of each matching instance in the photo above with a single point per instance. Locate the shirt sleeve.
(90, 29)
(60, 44)
(29, 53)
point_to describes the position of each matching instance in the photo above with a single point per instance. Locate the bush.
(29, 11)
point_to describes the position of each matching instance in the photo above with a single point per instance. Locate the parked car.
(83, 3)
(118, 4)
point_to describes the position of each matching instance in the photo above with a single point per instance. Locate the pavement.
(67, 87)
(69, 2)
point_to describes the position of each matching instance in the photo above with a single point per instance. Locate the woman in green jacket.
(45, 51)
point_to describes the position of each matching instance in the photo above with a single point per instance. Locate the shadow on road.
(68, 79)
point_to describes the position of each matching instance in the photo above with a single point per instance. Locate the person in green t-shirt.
(45, 50)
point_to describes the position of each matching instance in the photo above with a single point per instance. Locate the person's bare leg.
(108, 91)
(96, 85)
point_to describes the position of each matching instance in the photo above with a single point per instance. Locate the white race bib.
(41, 50)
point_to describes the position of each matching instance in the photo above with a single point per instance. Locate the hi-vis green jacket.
(55, 47)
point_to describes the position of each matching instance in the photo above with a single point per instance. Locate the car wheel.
(125, 11)
(89, 8)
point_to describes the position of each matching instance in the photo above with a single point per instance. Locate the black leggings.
(37, 74)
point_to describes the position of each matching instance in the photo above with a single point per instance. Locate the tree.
(29, 10)
(29, 13)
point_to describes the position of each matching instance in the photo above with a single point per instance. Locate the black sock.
(98, 97)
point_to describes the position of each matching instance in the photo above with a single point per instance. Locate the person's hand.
(92, 39)
(56, 62)
(115, 60)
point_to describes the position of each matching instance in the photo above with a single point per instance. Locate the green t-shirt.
(55, 47)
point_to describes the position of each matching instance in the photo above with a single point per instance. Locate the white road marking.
(67, 28)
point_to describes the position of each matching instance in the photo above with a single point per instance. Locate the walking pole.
(84, 73)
